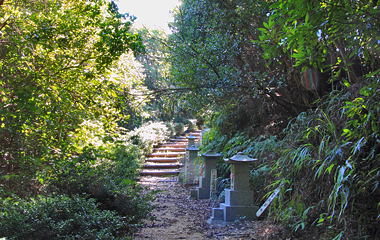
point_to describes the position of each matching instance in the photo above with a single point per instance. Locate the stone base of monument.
(232, 213)
(238, 206)
(217, 216)
(201, 192)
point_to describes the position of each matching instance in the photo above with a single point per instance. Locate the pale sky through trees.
(154, 14)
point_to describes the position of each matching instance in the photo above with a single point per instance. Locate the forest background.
(293, 83)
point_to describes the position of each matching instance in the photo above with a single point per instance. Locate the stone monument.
(190, 176)
(204, 190)
(238, 199)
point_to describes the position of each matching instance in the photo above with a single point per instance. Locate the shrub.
(108, 176)
(191, 127)
(171, 130)
(60, 217)
(187, 122)
(149, 134)
(179, 129)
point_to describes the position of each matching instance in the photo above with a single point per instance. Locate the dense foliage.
(249, 56)
(61, 217)
(69, 83)
(325, 163)
(295, 84)
(59, 71)
(214, 56)
(166, 101)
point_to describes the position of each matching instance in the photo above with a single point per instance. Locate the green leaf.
(307, 18)
(263, 30)
(354, 52)
(366, 91)
(373, 73)
(330, 168)
(346, 83)
(346, 132)
(266, 25)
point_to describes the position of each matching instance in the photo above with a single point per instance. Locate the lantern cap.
(211, 153)
(192, 148)
(191, 137)
(240, 157)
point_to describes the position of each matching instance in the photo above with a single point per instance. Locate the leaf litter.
(176, 216)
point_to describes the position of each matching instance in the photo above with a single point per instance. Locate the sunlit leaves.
(311, 28)
(58, 62)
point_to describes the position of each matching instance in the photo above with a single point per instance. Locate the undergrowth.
(326, 163)
(89, 192)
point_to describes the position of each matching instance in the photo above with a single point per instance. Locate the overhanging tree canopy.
(250, 55)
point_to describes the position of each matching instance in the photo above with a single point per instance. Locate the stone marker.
(203, 191)
(213, 183)
(238, 199)
(268, 201)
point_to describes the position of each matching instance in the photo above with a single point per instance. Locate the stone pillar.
(204, 190)
(239, 198)
(190, 140)
(190, 176)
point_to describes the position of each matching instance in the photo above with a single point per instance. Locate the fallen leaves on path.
(178, 217)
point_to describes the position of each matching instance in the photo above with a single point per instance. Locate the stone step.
(163, 160)
(185, 138)
(194, 131)
(157, 179)
(163, 166)
(169, 149)
(195, 134)
(158, 154)
(178, 140)
(159, 173)
(173, 145)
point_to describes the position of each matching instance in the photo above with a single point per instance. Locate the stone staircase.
(164, 160)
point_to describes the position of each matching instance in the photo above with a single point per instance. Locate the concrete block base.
(200, 193)
(228, 213)
(217, 216)
(238, 198)
(232, 213)
(203, 193)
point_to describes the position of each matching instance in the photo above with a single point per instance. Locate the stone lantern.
(190, 176)
(204, 190)
(239, 198)
(191, 140)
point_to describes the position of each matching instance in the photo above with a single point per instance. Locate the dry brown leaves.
(178, 217)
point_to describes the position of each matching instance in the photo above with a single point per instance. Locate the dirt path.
(178, 217)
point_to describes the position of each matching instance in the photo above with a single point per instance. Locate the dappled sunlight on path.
(178, 217)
